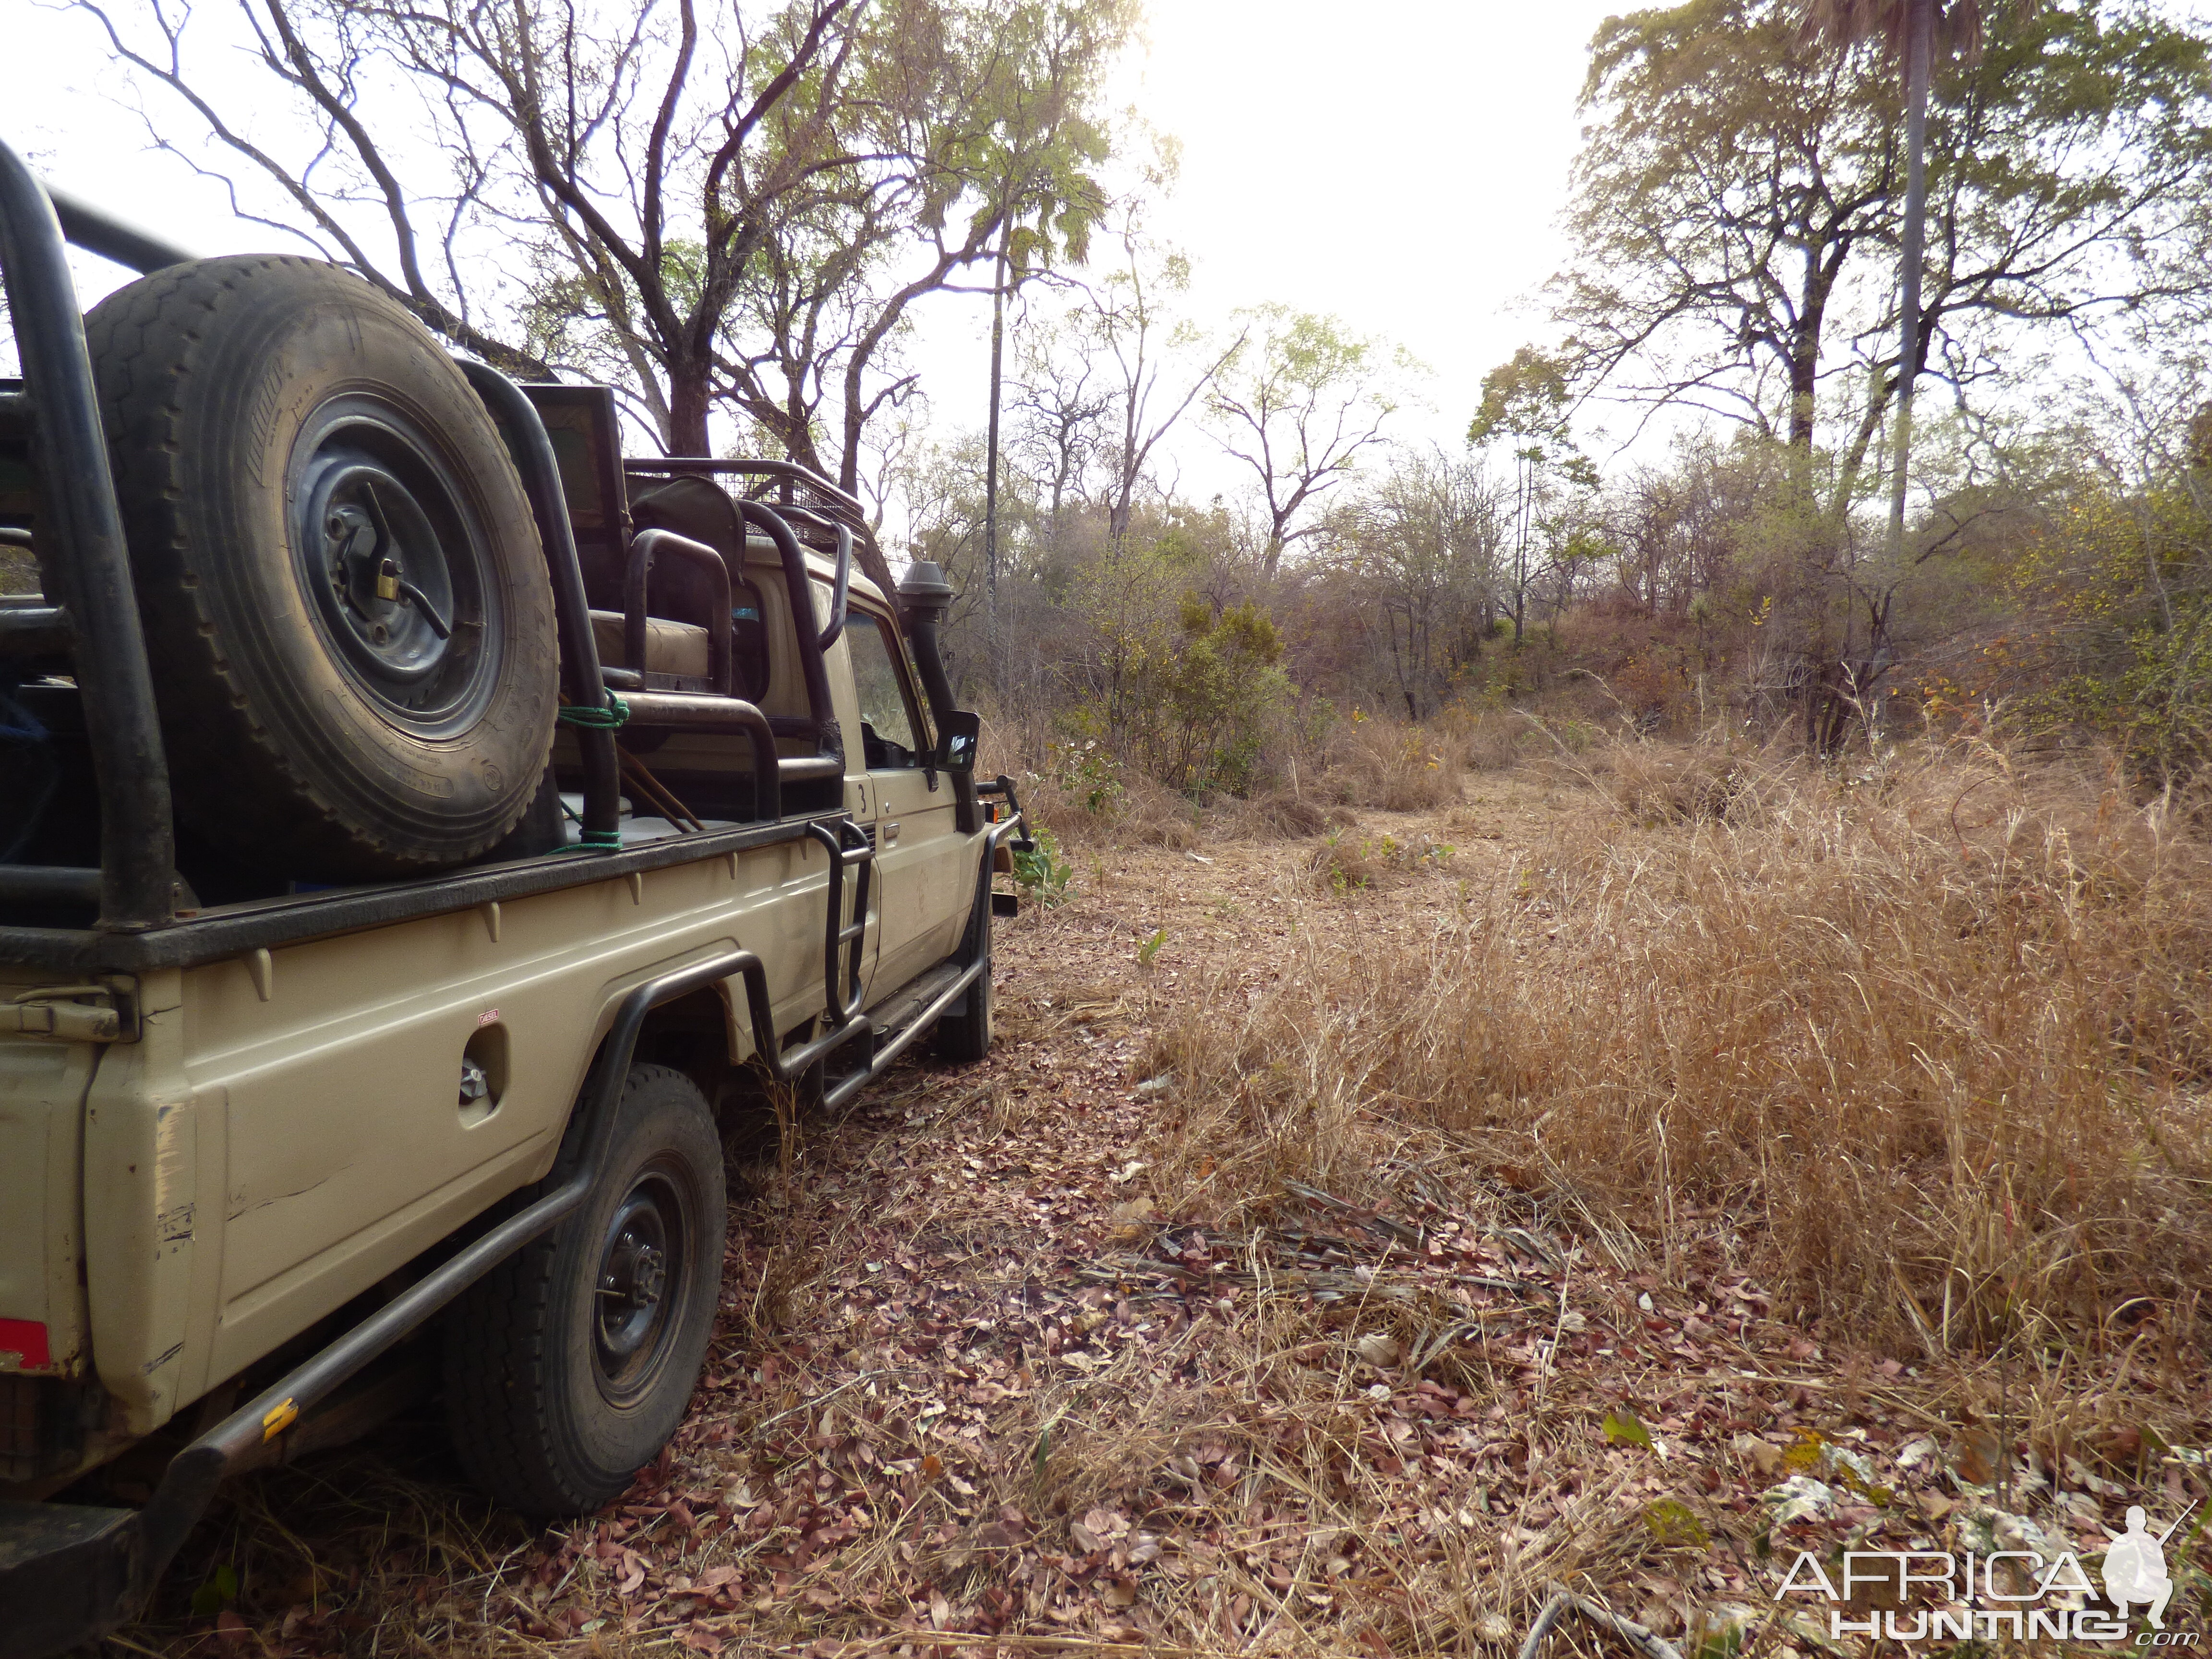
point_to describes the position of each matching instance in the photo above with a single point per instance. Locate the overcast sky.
(1406, 176)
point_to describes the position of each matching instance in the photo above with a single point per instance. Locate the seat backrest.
(701, 509)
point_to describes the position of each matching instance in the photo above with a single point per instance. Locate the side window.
(890, 734)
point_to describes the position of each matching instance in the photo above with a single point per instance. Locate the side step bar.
(846, 1023)
(889, 1018)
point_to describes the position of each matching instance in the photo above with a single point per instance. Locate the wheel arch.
(699, 1034)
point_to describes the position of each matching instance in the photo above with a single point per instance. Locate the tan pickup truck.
(421, 831)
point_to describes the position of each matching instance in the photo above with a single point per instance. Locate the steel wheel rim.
(639, 1287)
(388, 556)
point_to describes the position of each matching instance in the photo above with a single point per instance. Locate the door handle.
(890, 833)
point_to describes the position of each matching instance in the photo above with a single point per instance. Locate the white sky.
(1405, 175)
(1408, 179)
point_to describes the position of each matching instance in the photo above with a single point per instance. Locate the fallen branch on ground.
(1564, 1602)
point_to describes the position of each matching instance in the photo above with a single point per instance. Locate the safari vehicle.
(420, 828)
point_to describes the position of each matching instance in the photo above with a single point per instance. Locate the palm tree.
(1910, 30)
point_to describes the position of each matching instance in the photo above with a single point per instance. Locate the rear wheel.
(347, 613)
(569, 1366)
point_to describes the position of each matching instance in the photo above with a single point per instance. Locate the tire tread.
(146, 341)
(501, 1370)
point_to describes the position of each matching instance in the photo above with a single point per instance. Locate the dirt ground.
(981, 1389)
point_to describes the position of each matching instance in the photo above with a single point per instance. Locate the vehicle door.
(921, 858)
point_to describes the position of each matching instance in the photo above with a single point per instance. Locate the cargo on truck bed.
(422, 830)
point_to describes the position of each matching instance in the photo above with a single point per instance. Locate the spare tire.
(347, 613)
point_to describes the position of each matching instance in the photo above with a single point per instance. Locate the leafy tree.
(986, 134)
(1910, 30)
(1525, 403)
(1737, 211)
(1182, 688)
(2109, 581)
(1736, 207)
(1221, 687)
(711, 201)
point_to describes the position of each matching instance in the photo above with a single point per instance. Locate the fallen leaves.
(1621, 1428)
(1013, 1395)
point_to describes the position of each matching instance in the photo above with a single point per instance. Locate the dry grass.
(1655, 784)
(1493, 741)
(1925, 1047)
(1092, 803)
(1138, 813)
(1386, 765)
(974, 1394)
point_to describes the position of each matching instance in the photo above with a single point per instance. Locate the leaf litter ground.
(975, 1393)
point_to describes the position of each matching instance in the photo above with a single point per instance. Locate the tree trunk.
(688, 402)
(1918, 46)
(1804, 386)
(991, 474)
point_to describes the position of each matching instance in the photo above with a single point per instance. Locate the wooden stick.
(1564, 1602)
(678, 815)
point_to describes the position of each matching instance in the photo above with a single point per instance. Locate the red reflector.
(26, 1339)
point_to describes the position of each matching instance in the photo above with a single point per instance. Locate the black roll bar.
(582, 684)
(80, 537)
(787, 473)
(691, 711)
(840, 591)
(800, 589)
(98, 231)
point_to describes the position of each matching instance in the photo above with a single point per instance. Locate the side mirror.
(962, 731)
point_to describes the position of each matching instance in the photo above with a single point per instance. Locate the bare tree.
(1296, 404)
(1126, 327)
(1427, 541)
(1059, 405)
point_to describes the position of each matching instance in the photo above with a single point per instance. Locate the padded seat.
(670, 647)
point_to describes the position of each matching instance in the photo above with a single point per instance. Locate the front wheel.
(569, 1367)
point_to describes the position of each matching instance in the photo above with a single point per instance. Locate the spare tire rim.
(640, 1287)
(399, 572)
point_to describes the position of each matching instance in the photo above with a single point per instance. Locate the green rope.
(612, 718)
(592, 841)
